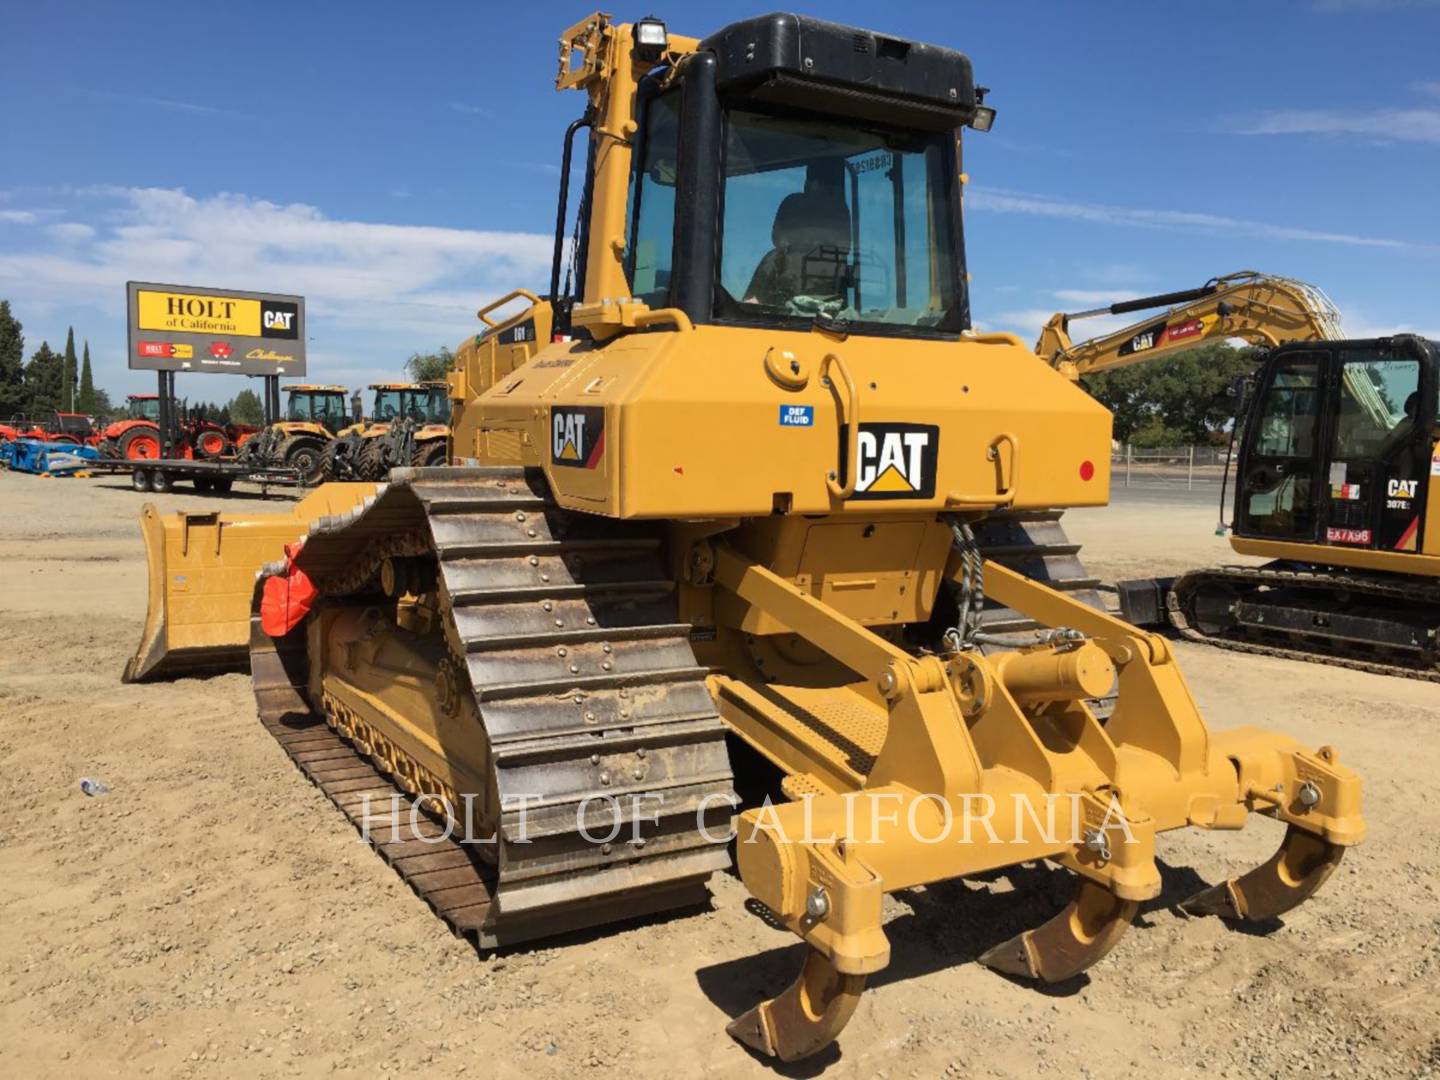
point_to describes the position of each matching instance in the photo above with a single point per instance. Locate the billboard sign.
(221, 331)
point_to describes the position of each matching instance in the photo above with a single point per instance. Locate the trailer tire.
(223, 485)
(204, 485)
(160, 482)
(140, 479)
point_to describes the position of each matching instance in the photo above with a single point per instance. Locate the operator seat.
(811, 253)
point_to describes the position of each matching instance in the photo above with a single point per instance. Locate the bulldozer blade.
(202, 569)
(1088, 928)
(1289, 878)
(806, 1017)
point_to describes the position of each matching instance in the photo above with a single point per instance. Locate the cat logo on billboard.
(577, 437)
(896, 461)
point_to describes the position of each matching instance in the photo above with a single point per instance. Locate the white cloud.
(1430, 89)
(1098, 297)
(1403, 125)
(374, 291)
(995, 200)
(18, 217)
(154, 102)
(71, 231)
(470, 110)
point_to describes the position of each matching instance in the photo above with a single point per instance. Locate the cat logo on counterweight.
(896, 461)
(577, 437)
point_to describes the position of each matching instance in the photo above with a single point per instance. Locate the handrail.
(1006, 495)
(484, 312)
(667, 314)
(849, 424)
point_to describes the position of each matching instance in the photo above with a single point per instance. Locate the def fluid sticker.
(797, 415)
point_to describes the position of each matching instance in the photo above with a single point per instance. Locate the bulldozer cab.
(828, 212)
(1340, 445)
(317, 404)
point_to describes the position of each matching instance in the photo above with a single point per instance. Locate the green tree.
(430, 367)
(1175, 401)
(70, 376)
(85, 403)
(44, 380)
(101, 407)
(245, 408)
(14, 400)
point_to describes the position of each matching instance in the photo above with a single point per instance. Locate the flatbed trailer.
(208, 477)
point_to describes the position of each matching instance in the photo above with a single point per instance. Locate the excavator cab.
(1339, 446)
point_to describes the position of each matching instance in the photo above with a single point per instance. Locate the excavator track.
(562, 628)
(1341, 635)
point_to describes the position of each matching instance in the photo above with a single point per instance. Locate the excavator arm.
(1258, 308)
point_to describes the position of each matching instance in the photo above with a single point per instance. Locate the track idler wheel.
(807, 1017)
(1088, 928)
(1288, 879)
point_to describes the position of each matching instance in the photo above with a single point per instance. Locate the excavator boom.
(1259, 308)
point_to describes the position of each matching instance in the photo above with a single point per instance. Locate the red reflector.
(1087, 470)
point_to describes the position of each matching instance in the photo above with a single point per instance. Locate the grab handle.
(1006, 495)
(849, 407)
(484, 313)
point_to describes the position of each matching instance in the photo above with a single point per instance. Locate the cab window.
(650, 248)
(1378, 405)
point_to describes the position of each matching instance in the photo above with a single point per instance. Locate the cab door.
(1277, 493)
(1378, 450)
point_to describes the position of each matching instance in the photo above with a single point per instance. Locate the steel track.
(1182, 594)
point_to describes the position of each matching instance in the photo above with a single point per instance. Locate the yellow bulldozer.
(706, 577)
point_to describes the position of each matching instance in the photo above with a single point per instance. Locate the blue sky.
(397, 164)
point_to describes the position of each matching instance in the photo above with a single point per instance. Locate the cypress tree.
(70, 375)
(86, 403)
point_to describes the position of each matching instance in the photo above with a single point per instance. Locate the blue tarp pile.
(53, 458)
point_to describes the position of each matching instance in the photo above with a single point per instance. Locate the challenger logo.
(577, 437)
(896, 461)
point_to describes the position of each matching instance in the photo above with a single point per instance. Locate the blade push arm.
(1258, 308)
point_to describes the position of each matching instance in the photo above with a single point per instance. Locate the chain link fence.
(1188, 467)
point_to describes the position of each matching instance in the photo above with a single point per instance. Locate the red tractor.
(137, 437)
(59, 427)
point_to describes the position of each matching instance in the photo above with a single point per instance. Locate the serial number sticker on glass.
(797, 415)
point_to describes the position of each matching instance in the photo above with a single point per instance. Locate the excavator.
(705, 576)
(1338, 454)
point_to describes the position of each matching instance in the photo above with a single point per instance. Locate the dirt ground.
(215, 916)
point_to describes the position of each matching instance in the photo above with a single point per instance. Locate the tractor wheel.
(330, 464)
(139, 444)
(304, 457)
(370, 463)
(140, 480)
(211, 444)
(430, 453)
(160, 482)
